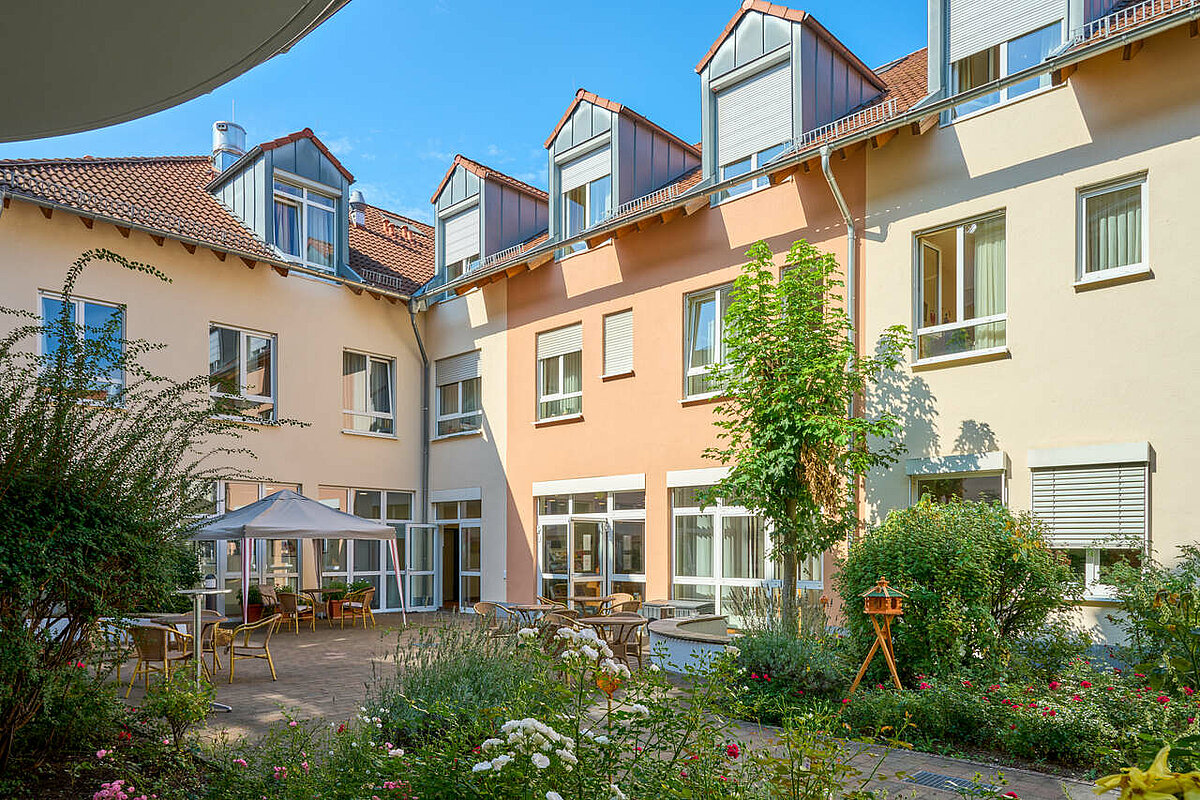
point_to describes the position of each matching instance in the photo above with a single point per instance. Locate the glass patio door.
(422, 542)
(588, 576)
(469, 565)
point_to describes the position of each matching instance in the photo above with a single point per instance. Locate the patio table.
(588, 602)
(314, 597)
(531, 611)
(623, 625)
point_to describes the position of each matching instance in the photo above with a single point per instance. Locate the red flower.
(994, 687)
(768, 677)
(1054, 685)
(1012, 727)
(1010, 794)
(1086, 684)
(341, 728)
(923, 685)
(733, 751)
(967, 684)
(683, 773)
(1162, 698)
(1189, 691)
(754, 676)
(879, 686)
(845, 700)
(1077, 698)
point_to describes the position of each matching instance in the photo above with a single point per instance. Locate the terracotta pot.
(335, 609)
(254, 612)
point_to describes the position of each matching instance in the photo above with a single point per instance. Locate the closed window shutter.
(618, 343)
(560, 341)
(586, 169)
(461, 236)
(457, 368)
(755, 114)
(979, 24)
(1102, 506)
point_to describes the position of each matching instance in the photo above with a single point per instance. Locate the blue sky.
(395, 89)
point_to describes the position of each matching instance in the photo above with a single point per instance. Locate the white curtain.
(989, 280)
(1114, 229)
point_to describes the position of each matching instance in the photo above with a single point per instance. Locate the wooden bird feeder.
(881, 603)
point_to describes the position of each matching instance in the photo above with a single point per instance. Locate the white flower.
(617, 794)
(654, 667)
(525, 634)
(499, 761)
(553, 796)
(482, 766)
(638, 708)
(539, 760)
(600, 740)
(395, 752)
(589, 652)
(488, 744)
(733, 651)
(567, 756)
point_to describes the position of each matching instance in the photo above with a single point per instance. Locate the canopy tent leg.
(246, 543)
(394, 546)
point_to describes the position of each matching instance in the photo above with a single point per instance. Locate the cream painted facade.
(312, 320)
(1086, 366)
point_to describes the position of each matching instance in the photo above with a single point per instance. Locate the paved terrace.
(327, 674)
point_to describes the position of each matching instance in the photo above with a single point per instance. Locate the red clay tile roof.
(583, 95)
(792, 15)
(906, 79)
(166, 194)
(307, 133)
(485, 172)
(383, 256)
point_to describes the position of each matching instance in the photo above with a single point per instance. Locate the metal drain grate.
(946, 783)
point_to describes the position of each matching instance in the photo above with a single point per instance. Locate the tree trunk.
(790, 610)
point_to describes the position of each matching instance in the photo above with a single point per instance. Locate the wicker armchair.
(157, 644)
(358, 605)
(253, 641)
(608, 604)
(496, 619)
(294, 611)
(269, 599)
(213, 638)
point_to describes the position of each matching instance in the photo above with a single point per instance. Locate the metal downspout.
(412, 317)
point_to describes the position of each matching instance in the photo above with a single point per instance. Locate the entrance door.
(587, 558)
(469, 566)
(422, 567)
(450, 567)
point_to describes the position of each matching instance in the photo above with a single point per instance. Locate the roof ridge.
(398, 215)
(100, 159)
(533, 189)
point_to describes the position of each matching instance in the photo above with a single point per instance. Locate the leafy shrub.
(978, 576)
(782, 663)
(180, 703)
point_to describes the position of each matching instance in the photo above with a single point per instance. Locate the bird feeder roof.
(882, 589)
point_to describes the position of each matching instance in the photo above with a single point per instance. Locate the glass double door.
(591, 558)
(422, 561)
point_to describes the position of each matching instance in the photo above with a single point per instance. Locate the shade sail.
(290, 515)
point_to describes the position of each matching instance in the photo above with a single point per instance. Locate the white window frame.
(461, 267)
(607, 519)
(587, 211)
(243, 352)
(442, 416)
(391, 365)
(1003, 96)
(915, 480)
(79, 311)
(718, 293)
(1082, 276)
(302, 204)
(560, 395)
(757, 160)
(960, 294)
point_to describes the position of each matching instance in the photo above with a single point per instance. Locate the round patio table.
(588, 602)
(197, 623)
(531, 611)
(617, 628)
(314, 595)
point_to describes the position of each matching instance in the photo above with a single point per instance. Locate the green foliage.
(978, 578)
(1161, 618)
(791, 372)
(180, 702)
(98, 490)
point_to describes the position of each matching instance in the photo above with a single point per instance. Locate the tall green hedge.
(978, 577)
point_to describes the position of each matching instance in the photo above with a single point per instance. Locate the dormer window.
(305, 225)
(1006, 58)
(586, 206)
(745, 165)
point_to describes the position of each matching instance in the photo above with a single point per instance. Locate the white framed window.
(704, 340)
(368, 393)
(722, 550)
(1096, 515)
(1006, 58)
(618, 343)
(92, 319)
(349, 560)
(1112, 230)
(459, 401)
(745, 165)
(306, 225)
(979, 487)
(591, 544)
(961, 289)
(586, 206)
(241, 371)
(560, 372)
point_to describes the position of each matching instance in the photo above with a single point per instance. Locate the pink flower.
(1054, 685)
(879, 686)
(1077, 698)
(1162, 698)
(241, 762)
(1191, 720)
(754, 676)
(100, 754)
(292, 724)
(683, 773)
(1011, 794)
(733, 751)
(1189, 691)
(923, 685)
(845, 700)
(1086, 684)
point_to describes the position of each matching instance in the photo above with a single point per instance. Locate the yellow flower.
(1156, 783)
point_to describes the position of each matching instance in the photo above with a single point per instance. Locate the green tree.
(792, 375)
(100, 483)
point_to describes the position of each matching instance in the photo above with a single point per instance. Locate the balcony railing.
(872, 115)
(1128, 17)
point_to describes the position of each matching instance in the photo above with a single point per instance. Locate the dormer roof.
(259, 149)
(584, 96)
(483, 173)
(791, 15)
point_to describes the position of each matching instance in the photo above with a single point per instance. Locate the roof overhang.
(97, 64)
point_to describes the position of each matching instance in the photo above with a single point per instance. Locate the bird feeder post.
(881, 603)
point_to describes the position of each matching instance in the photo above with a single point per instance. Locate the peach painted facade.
(640, 424)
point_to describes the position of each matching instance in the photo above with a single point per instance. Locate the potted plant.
(333, 593)
(254, 604)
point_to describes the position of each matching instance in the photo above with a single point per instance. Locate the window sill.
(460, 435)
(1004, 103)
(551, 421)
(703, 399)
(258, 423)
(1113, 277)
(956, 359)
(369, 434)
(617, 375)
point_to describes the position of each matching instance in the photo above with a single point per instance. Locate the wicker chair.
(269, 599)
(111, 646)
(547, 601)
(625, 640)
(358, 604)
(255, 642)
(213, 638)
(157, 644)
(496, 619)
(294, 612)
(628, 607)
(607, 605)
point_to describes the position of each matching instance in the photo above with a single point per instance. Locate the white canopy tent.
(290, 515)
